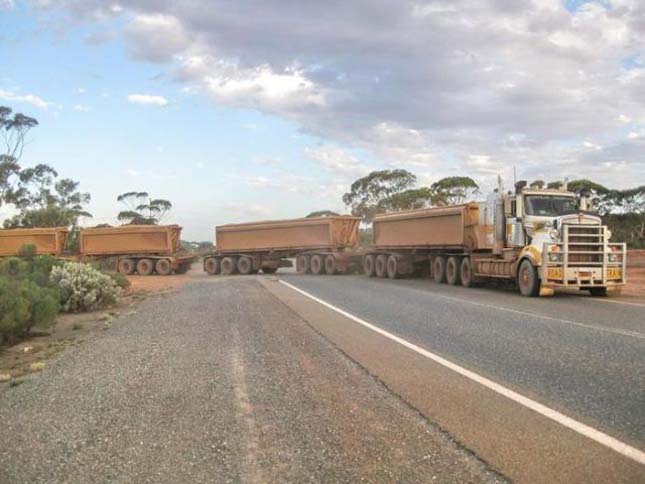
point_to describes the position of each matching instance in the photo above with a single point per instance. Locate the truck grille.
(585, 245)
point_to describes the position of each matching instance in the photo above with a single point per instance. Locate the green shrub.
(27, 250)
(83, 288)
(119, 279)
(23, 305)
(15, 267)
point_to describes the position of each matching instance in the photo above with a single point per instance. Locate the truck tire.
(245, 265)
(381, 265)
(145, 267)
(228, 266)
(392, 267)
(528, 282)
(163, 267)
(466, 272)
(453, 271)
(598, 291)
(212, 266)
(330, 265)
(439, 269)
(126, 266)
(369, 264)
(317, 264)
(302, 264)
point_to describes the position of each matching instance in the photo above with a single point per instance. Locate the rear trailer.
(45, 241)
(140, 249)
(321, 245)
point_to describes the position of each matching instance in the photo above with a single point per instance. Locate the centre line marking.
(568, 422)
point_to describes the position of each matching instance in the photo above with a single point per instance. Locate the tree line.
(43, 199)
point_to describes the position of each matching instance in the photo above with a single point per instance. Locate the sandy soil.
(143, 285)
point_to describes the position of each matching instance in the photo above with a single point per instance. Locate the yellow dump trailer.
(144, 249)
(48, 241)
(320, 245)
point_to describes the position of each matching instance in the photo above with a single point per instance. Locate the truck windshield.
(549, 206)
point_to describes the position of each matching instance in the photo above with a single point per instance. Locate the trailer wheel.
(369, 265)
(228, 266)
(527, 279)
(439, 269)
(466, 272)
(452, 271)
(392, 267)
(245, 265)
(317, 264)
(212, 266)
(598, 291)
(330, 265)
(302, 264)
(126, 266)
(163, 267)
(381, 265)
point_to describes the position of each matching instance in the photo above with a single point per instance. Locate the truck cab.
(560, 243)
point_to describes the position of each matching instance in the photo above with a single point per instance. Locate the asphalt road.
(218, 382)
(581, 356)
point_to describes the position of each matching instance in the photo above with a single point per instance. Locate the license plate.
(554, 273)
(584, 274)
(614, 273)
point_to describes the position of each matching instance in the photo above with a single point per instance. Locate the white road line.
(590, 432)
(622, 332)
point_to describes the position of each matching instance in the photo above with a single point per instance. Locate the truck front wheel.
(527, 279)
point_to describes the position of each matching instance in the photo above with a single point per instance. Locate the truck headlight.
(612, 257)
(553, 233)
(553, 257)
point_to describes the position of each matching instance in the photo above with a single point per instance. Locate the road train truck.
(144, 249)
(320, 245)
(541, 239)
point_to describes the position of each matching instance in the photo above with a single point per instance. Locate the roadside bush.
(23, 305)
(27, 250)
(119, 279)
(83, 288)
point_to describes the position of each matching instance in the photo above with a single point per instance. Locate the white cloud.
(147, 99)
(83, 108)
(337, 161)
(32, 99)
(426, 85)
(6, 4)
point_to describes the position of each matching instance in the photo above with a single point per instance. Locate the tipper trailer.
(534, 237)
(321, 245)
(144, 249)
(46, 241)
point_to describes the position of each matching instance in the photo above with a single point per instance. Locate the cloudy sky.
(238, 110)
